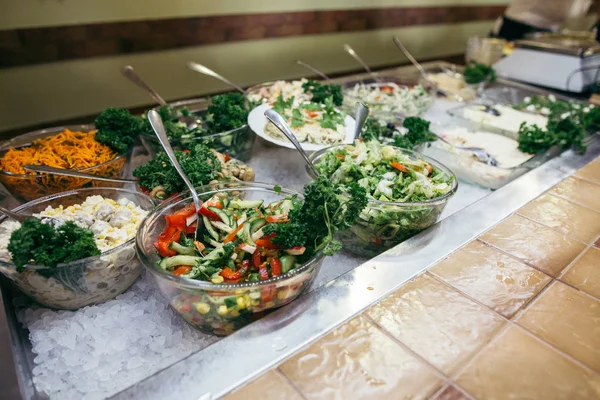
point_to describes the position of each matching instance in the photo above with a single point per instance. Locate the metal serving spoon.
(414, 61)
(129, 73)
(22, 217)
(280, 123)
(159, 129)
(478, 152)
(313, 69)
(207, 71)
(362, 112)
(490, 110)
(354, 55)
(74, 173)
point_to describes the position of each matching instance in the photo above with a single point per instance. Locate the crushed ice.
(97, 351)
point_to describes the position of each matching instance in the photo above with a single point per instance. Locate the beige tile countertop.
(514, 314)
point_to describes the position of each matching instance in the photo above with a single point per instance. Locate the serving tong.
(478, 152)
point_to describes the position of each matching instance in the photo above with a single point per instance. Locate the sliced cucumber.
(209, 228)
(257, 224)
(222, 214)
(174, 261)
(287, 263)
(237, 203)
(188, 251)
(245, 234)
(225, 202)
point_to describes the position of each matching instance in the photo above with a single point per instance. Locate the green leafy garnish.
(327, 208)
(418, 133)
(226, 112)
(42, 244)
(476, 73)
(281, 105)
(199, 164)
(320, 92)
(117, 128)
(564, 133)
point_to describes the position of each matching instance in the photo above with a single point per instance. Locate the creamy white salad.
(388, 99)
(509, 119)
(113, 224)
(453, 85)
(287, 89)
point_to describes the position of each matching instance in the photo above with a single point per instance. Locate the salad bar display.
(263, 232)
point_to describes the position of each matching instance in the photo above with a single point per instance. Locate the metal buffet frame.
(234, 360)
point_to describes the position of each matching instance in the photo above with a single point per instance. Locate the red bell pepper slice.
(262, 272)
(176, 221)
(245, 267)
(256, 259)
(227, 157)
(266, 243)
(182, 270)
(230, 275)
(190, 230)
(275, 266)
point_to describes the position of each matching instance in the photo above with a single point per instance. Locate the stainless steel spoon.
(129, 73)
(22, 217)
(207, 71)
(75, 174)
(354, 55)
(362, 112)
(313, 69)
(280, 123)
(159, 129)
(417, 65)
(478, 152)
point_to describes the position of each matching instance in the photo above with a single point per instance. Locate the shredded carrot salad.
(73, 150)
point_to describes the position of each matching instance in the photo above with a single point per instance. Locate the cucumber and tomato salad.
(230, 245)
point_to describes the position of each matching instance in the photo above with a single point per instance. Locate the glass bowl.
(454, 86)
(85, 282)
(221, 309)
(33, 186)
(420, 96)
(237, 142)
(384, 224)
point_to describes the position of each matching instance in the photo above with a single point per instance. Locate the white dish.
(257, 122)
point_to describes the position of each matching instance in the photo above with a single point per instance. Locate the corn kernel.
(270, 304)
(235, 313)
(241, 302)
(282, 294)
(202, 308)
(217, 279)
(222, 310)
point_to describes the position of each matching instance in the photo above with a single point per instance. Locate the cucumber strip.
(221, 226)
(209, 228)
(222, 214)
(257, 224)
(237, 203)
(287, 263)
(188, 251)
(170, 262)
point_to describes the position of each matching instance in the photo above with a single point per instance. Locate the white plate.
(257, 122)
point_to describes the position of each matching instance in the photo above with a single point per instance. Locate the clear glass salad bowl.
(237, 142)
(27, 187)
(85, 282)
(221, 309)
(384, 224)
(415, 97)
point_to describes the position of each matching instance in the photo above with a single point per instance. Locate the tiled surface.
(534, 243)
(568, 319)
(436, 322)
(494, 318)
(357, 361)
(20, 47)
(518, 366)
(491, 277)
(584, 274)
(269, 386)
(580, 191)
(564, 216)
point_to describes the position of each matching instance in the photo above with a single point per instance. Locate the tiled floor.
(513, 314)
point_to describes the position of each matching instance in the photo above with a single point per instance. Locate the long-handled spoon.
(129, 73)
(478, 152)
(22, 217)
(362, 112)
(207, 71)
(313, 69)
(417, 65)
(354, 55)
(280, 123)
(74, 173)
(159, 129)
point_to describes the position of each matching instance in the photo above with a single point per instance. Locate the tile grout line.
(570, 201)
(511, 321)
(567, 235)
(290, 382)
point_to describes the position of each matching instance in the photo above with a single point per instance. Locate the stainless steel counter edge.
(238, 358)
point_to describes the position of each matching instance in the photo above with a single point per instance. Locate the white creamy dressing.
(503, 149)
(509, 119)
